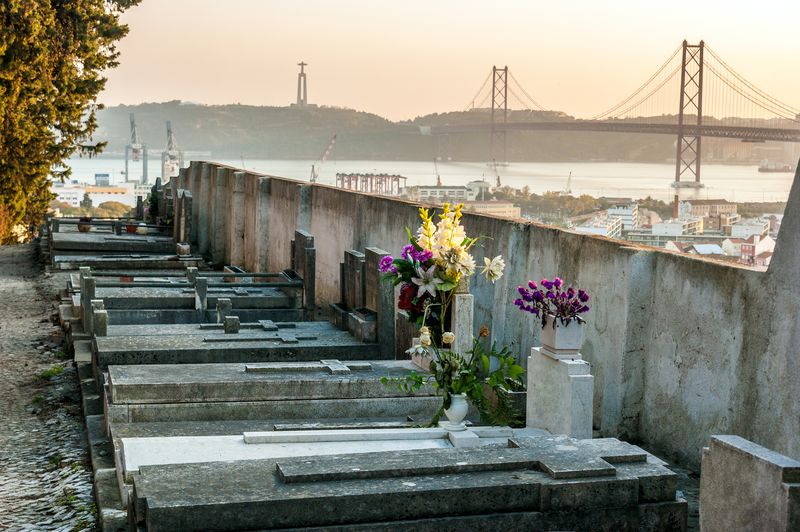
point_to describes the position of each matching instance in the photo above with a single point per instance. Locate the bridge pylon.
(690, 108)
(499, 113)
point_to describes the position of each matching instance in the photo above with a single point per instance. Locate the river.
(635, 180)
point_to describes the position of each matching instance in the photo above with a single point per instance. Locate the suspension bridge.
(713, 100)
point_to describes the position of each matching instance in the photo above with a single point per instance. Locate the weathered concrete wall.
(680, 347)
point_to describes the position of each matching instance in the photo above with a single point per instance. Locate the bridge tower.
(302, 94)
(687, 161)
(499, 112)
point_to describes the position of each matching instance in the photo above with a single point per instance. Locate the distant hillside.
(228, 131)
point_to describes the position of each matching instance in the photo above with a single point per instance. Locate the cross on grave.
(282, 337)
(560, 457)
(332, 366)
(268, 325)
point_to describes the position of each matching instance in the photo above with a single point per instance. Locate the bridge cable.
(645, 84)
(483, 85)
(519, 85)
(775, 101)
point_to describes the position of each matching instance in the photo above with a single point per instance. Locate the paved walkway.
(45, 477)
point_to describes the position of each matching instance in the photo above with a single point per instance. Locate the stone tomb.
(314, 390)
(266, 343)
(125, 261)
(551, 482)
(93, 242)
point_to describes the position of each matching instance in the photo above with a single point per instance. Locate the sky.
(402, 59)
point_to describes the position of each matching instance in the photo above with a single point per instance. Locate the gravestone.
(379, 297)
(307, 341)
(304, 262)
(231, 324)
(559, 394)
(224, 307)
(545, 483)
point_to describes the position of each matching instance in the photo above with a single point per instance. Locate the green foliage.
(453, 374)
(48, 374)
(52, 59)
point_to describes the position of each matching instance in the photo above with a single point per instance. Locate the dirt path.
(45, 478)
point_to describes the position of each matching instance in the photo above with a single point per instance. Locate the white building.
(629, 214)
(689, 226)
(69, 193)
(494, 208)
(602, 225)
(750, 227)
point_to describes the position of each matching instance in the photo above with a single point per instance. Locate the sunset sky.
(413, 57)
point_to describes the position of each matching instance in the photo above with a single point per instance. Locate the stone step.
(109, 242)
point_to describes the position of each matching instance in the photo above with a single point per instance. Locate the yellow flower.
(448, 338)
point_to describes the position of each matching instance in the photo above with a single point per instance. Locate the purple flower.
(558, 282)
(537, 295)
(582, 295)
(547, 284)
(532, 285)
(406, 253)
(421, 256)
(386, 265)
(570, 292)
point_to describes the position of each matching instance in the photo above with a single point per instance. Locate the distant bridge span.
(753, 134)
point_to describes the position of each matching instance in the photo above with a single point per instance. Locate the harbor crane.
(324, 157)
(567, 191)
(135, 150)
(172, 156)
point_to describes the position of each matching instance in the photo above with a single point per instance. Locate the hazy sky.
(405, 58)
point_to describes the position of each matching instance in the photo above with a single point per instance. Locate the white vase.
(560, 339)
(457, 412)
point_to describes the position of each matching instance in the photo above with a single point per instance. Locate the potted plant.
(430, 267)
(130, 226)
(462, 380)
(559, 309)
(85, 224)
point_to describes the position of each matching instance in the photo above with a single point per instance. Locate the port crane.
(567, 191)
(172, 156)
(324, 157)
(135, 150)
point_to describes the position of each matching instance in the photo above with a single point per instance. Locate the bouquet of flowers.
(551, 298)
(430, 267)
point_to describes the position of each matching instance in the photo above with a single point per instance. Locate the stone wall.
(681, 347)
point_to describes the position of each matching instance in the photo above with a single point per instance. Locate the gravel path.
(45, 476)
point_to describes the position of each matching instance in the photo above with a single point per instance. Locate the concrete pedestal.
(559, 394)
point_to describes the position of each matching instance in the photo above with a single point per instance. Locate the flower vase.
(457, 412)
(561, 340)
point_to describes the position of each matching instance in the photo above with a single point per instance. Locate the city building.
(749, 227)
(757, 250)
(628, 213)
(689, 230)
(494, 208)
(704, 208)
(604, 225)
(688, 226)
(434, 194)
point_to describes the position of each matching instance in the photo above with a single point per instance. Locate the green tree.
(52, 58)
